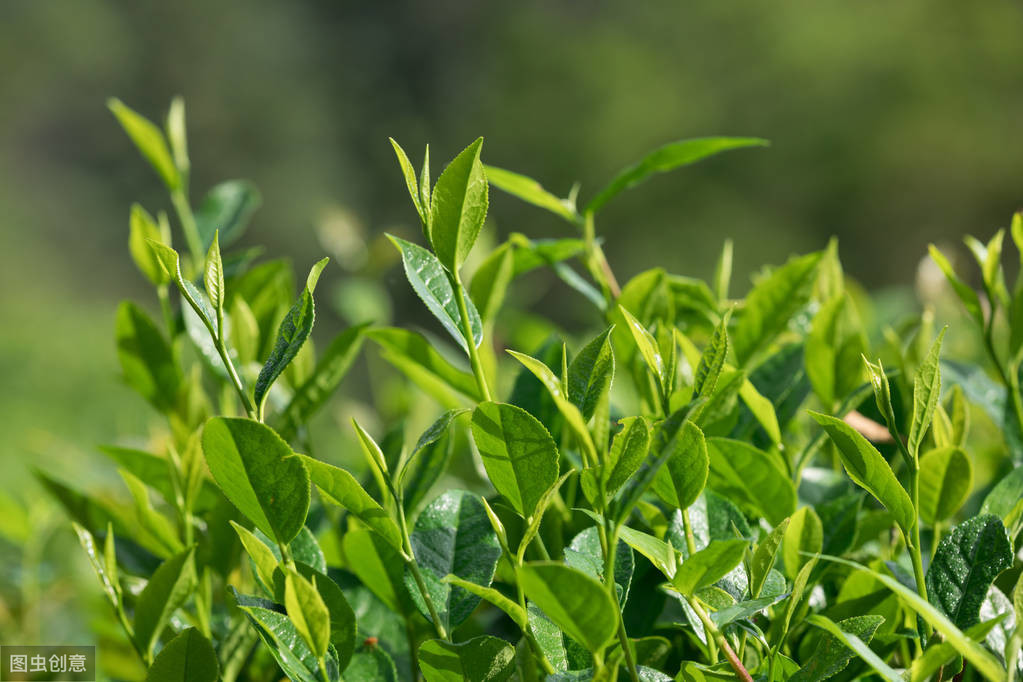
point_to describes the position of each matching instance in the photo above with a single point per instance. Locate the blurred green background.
(892, 124)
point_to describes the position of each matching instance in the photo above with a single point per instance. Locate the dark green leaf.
(585, 553)
(764, 556)
(294, 330)
(259, 473)
(458, 207)
(1005, 495)
(926, 390)
(518, 453)
(684, 474)
(833, 652)
(453, 536)
(146, 358)
(575, 602)
(167, 590)
(482, 659)
(708, 565)
(669, 157)
(966, 563)
(628, 450)
(371, 664)
(227, 208)
(287, 645)
(189, 657)
(590, 374)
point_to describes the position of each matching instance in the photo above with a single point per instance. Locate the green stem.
(188, 226)
(596, 263)
(914, 549)
(608, 543)
(687, 526)
(715, 634)
(474, 356)
(417, 576)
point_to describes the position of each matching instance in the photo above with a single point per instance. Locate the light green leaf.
(834, 347)
(661, 554)
(804, 536)
(414, 355)
(586, 554)
(262, 558)
(684, 474)
(946, 479)
(294, 330)
(490, 281)
(146, 358)
(628, 450)
(708, 565)
(669, 157)
(410, 179)
(189, 657)
(213, 277)
(428, 279)
(926, 391)
(142, 228)
(458, 207)
(259, 473)
(590, 373)
(453, 536)
(764, 556)
(158, 526)
(518, 453)
(844, 640)
(966, 563)
(713, 359)
(647, 346)
(1005, 495)
(341, 488)
(751, 477)
(307, 611)
(107, 579)
(966, 294)
(167, 590)
(531, 191)
(723, 271)
(481, 659)
(227, 208)
(869, 470)
(379, 566)
(574, 601)
(428, 461)
(762, 410)
(149, 140)
(772, 303)
(514, 611)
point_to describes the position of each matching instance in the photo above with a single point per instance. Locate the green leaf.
(946, 479)
(490, 281)
(647, 346)
(149, 140)
(171, 262)
(227, 208)
(941, 654)
(772, 303)
(341, 488)
(109, 582)
(176, 134)
(410, 179)
(158, 526)
(430, 282)
(189, 657)
(414, 355)
(531, 191)
(146, 358)
(669, 157)
(518, 453)
(708, 565)
(263, 559)
(213, 277)
(751, 477)
(833, 350)
(453, 536)
(628, 450)
(574, 601)
(514, 611)
(307, 611)
(965, 293)
(805, 535)
(285, 643)
(986, 664)
(966, 563)
(926, 391)
(590, 374)
(481, 659)
(428, 461)
(712, 360)
(723, 271)
(1005, 495)
(294, 330)
(586, 554)
(869, 470)
(142, 228)
(331, 368)
(458, 207)
(661, 554)
(259, 473)
(764, 557)
(379, 566)
(684, 474)
(167, 590)
(843, 640)
(371, 664)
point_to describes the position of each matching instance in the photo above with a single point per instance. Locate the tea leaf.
(708, 565)
(108, 581)
(750, 475)
(764, 556)
(628, 450)
(966, 294)
(213, 278)
(431, 284)
(514, 611)
(379, 566)
(966, 563)
(869, 470)
(586, 554)
(294, 330)
(946, 479)
(1005, 495)
(167, 590)
(805, 536)
(926, 390)
(669, 157)
(263, 559)
(142, 228)
(285, 643)
(146, 358)
(712, 360)
(481, 659)
(459, 207)
(414, 355)
(531, 191)
(575, 602)
(259, 474)
(453, 536)
(590, 374)
(490, 281)
(307, 611)
(772, 303)
(227, 208)
(371, 664)
(647, 346)
(189, 657)
(518, 453)
(684, 474)
(149, 140)
(410, 179)
(845, 639)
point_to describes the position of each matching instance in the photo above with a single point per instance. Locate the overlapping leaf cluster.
(705, 488)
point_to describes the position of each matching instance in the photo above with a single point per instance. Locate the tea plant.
(701, 489)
